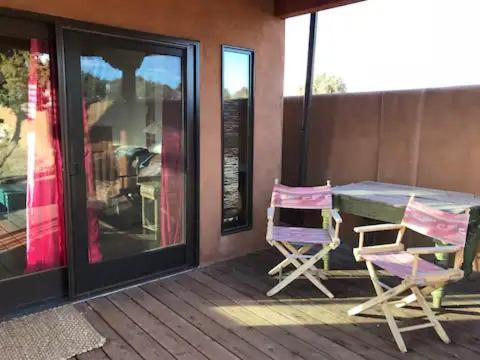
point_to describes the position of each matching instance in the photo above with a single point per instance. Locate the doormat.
(54, 334)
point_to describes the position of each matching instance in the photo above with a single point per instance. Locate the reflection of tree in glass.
(226, 94)
(96, 89)
(325, 84)
(14, 65)
(239, 94)
(14, 82)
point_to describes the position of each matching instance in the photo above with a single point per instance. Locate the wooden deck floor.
(221, 312)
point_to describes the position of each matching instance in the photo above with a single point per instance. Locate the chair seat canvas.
(401, 264)
(297, 235)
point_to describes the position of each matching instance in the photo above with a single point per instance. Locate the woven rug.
(57, 333)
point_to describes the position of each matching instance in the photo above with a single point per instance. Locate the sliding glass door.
(130, 125)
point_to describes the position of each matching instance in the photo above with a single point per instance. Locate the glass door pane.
(32, 229)
(31, 188)
(130, 109)
(133, 124)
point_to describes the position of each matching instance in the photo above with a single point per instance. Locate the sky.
(236, 69)
(389, 45)
(164, 69)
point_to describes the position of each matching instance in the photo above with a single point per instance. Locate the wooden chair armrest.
(377, 249)
(270, 216)
(434, 250)
(336, 216)
(438, 277)
(379, 227)
(270, 213)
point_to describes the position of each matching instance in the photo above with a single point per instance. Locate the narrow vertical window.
(237, 141)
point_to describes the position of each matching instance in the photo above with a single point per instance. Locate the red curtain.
(94, 253)
(171, 196)
(44, 210)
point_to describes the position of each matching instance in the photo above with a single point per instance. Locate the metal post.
(307, 98)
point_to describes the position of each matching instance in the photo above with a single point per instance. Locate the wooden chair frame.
(419, 286)
(296, 254)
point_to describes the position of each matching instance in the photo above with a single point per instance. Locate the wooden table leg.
(442, 260)
(471, 245)
(325, 225)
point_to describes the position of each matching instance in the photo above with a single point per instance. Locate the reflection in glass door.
(32, 237)
(132, 119)
(131, 189)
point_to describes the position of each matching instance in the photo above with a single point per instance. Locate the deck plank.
(208, 346)
(424, 342)
(176, 345)
(227, 338)
(324, 322)
(324, 311)
(97, 354)
(273, 348)
(464, 345)
(268, 328)
(134, 335)
(221, 312)
(277, 318)
(115, 347)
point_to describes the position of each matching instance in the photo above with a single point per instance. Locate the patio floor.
(221, 312)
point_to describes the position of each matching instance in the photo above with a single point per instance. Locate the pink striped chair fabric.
(401, 263)
(318, 197)
(437, 224)
(297, 235)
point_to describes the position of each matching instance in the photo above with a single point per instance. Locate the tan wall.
(245, 23)
(427, 138)
(421, 137)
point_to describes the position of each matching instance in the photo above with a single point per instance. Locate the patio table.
(387, 202)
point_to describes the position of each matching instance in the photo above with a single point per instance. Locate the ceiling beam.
(289, 8)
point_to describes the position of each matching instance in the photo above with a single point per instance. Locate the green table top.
(386, 202)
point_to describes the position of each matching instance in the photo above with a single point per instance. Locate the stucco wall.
(245, 23)
(420, 137)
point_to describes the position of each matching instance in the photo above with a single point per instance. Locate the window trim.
(247, 225)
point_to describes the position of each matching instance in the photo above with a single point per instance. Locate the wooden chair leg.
(313, 269)
(382, 296)
(373, 276)
(430, 315)
(386, 308)
(394, 328)
(303, 269)
(288, 261)
(412, 297)
(284, 249)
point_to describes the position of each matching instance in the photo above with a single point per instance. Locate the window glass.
(237, 137)
(31, 184)
(133, 123)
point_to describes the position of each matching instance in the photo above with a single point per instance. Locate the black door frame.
(85, 279)
(57, 285)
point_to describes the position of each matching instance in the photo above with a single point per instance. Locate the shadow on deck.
(221, 312)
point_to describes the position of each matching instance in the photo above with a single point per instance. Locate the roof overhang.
(289, 8)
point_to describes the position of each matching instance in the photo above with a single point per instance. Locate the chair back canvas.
(317, 197)
(437, 224)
